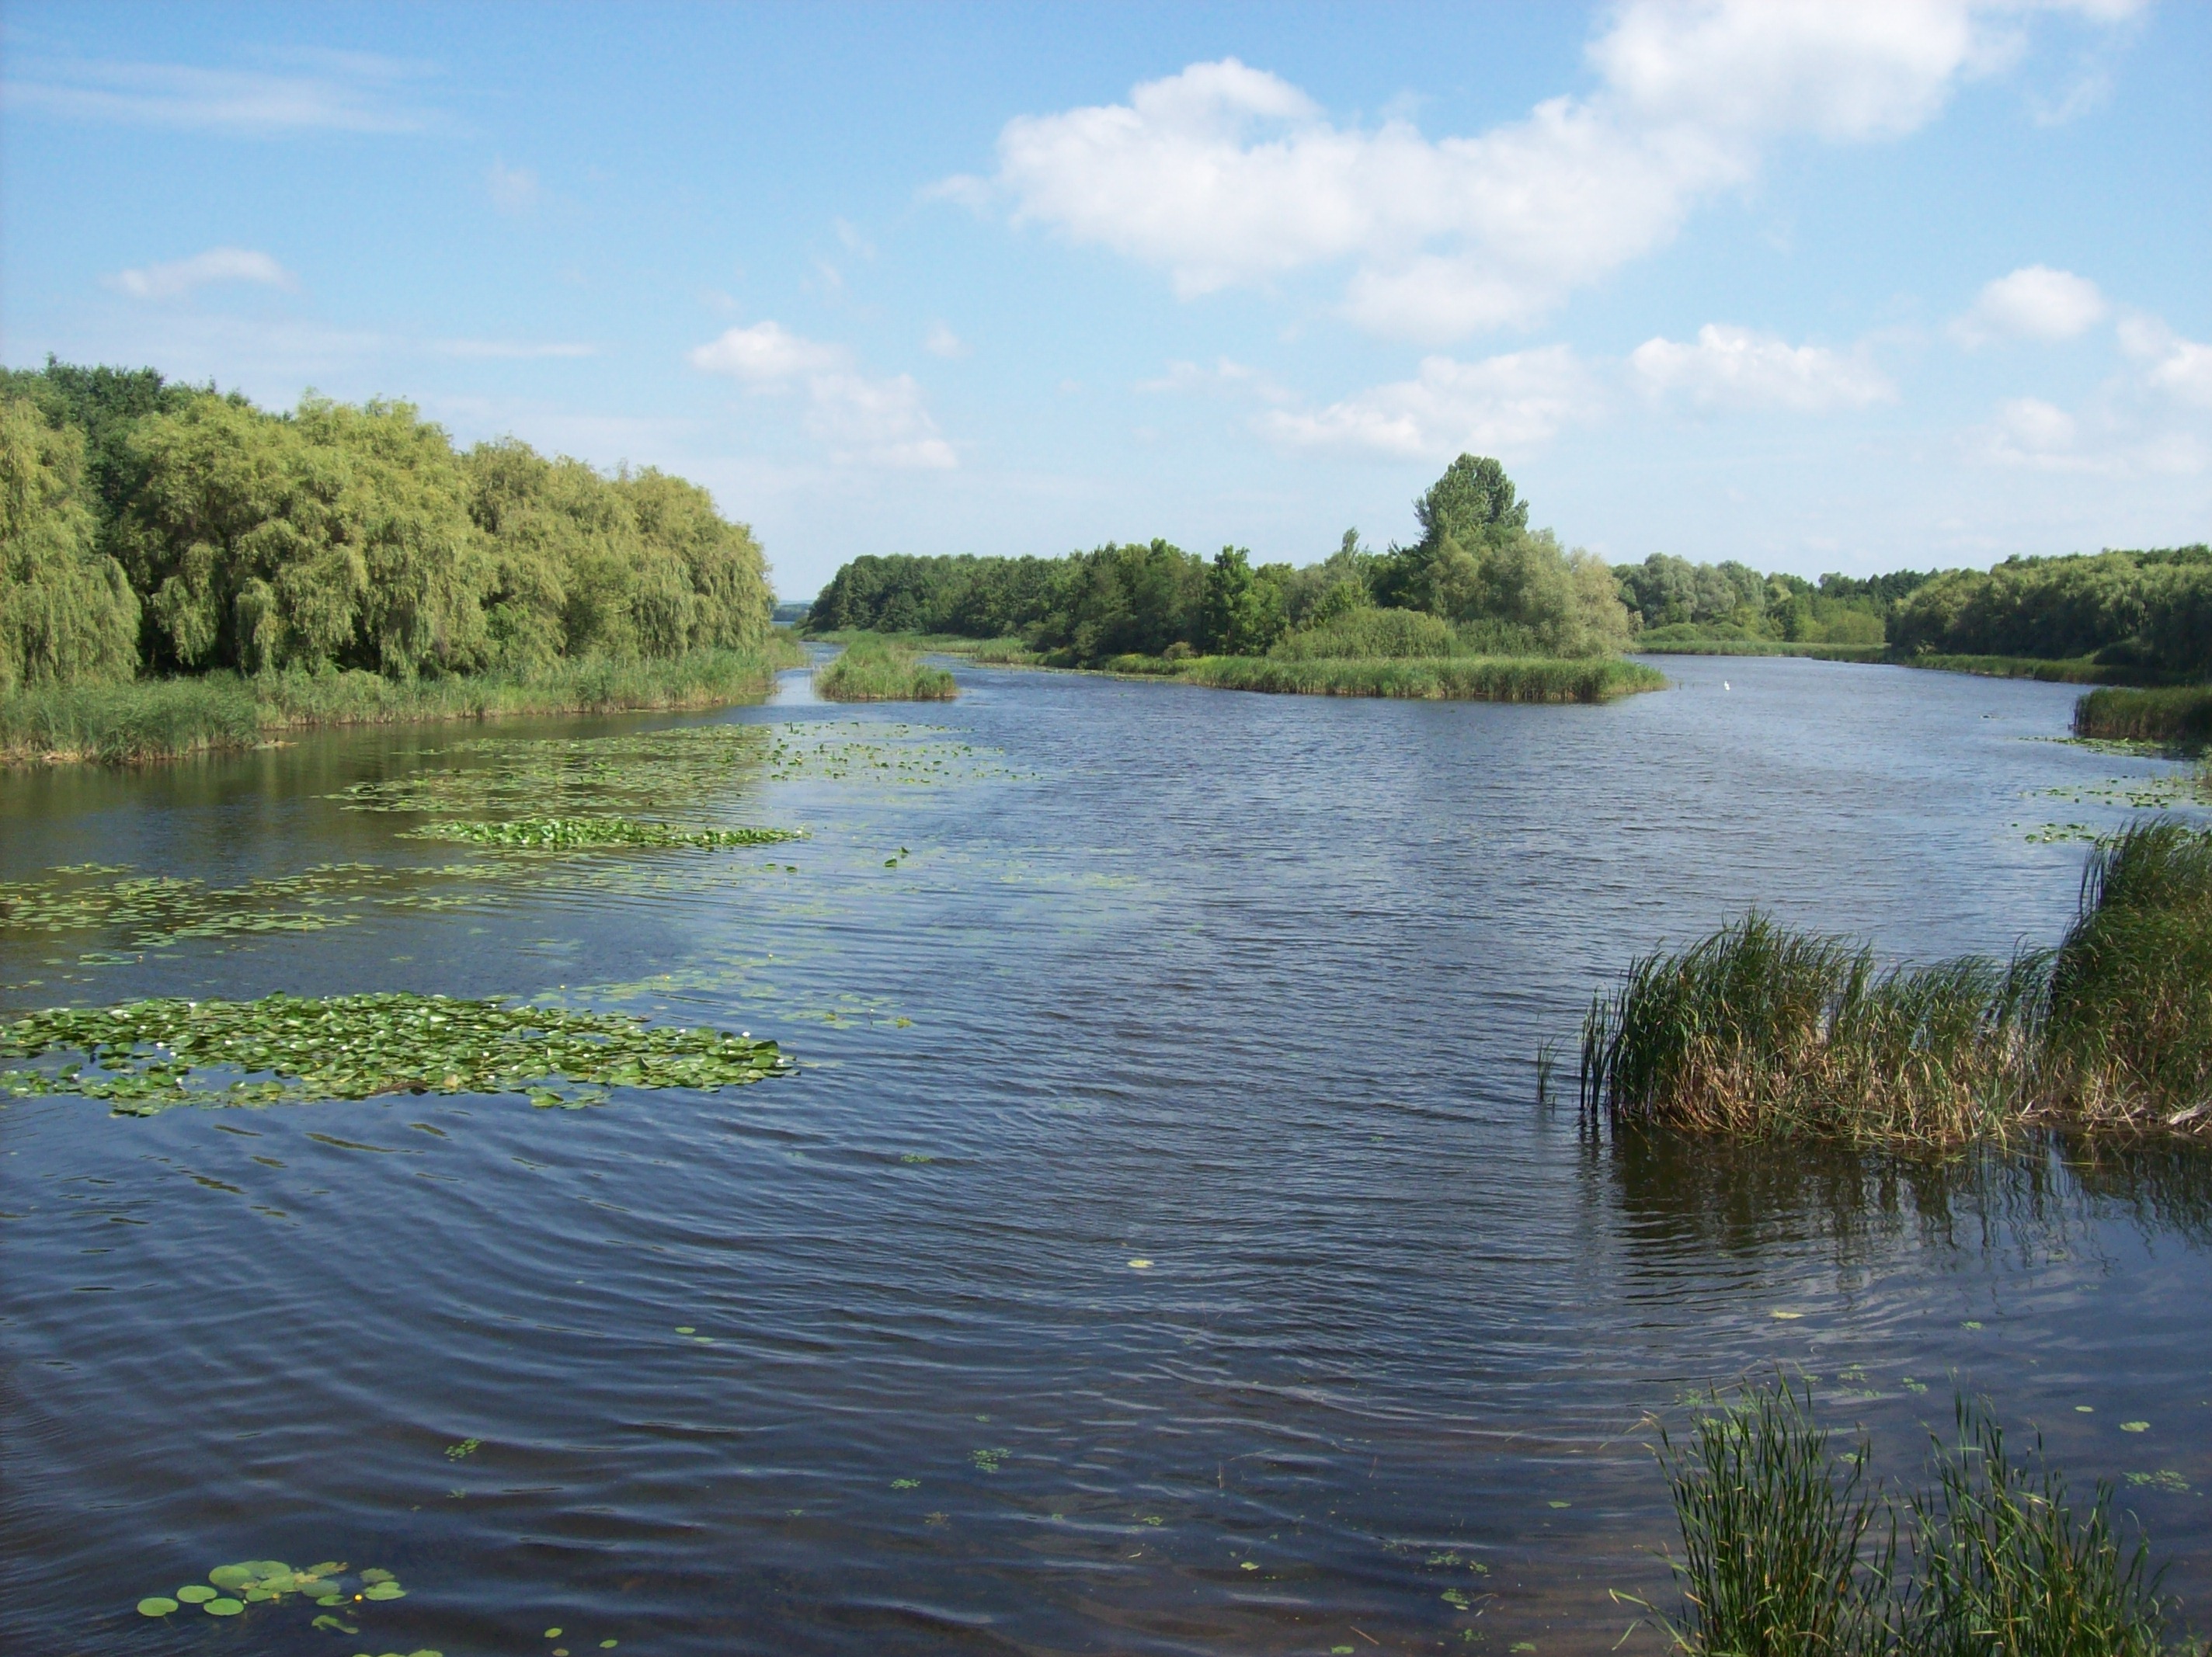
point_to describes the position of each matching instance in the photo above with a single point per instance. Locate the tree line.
(152, 527)
(1477, 568)
(1495, 585)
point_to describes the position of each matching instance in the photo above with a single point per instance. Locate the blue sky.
(1834, 285)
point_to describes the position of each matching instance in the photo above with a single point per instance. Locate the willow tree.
(335, 537)
(67, 613)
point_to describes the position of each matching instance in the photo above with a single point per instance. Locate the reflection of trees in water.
(1677, 1196)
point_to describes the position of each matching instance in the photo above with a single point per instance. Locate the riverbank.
(171, 719)
(2178, 714)
(2071, 669)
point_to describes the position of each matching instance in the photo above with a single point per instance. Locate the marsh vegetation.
(1791, 1549)
(870, 669)
(1760, 1030)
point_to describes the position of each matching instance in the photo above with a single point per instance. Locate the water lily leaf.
(334, 1625)
(231, 1576)
(223, 1608)
(376, 1575)
(156, 1605)
(383, 1591)
(196, 1593)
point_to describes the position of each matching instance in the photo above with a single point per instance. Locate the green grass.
(1789, 1550)
(2073, 670)
(875, 669)
(1666, 643)
(2178, 713)
(1476, 678)
(167, 718)
(1761, 1031)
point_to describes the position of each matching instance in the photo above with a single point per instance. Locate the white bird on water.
(1724, 684)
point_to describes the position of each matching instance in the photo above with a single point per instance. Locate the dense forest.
(1485, 581)
(149, 527)
(1478, 581)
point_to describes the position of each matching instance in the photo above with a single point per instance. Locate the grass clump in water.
(575, 834)
(1463, 678)
(1787, 1553)
(2180, 714)
(145, 1056)
(1758, 1030)
(871, 669)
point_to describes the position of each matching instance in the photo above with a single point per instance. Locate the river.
(1160, 1247)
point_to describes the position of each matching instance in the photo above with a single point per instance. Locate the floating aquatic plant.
(230, 1589)
(568, 834)
(144, 1057)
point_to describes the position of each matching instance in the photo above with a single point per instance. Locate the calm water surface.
(1081, 973)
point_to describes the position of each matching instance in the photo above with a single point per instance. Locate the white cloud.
(1224, 174)
(218, 264)
(2034, 427)
(884, 422)
(1500, 405)
(513, 189)
(2180, 368)
(849, 234)
(766, 354)
(1734, 368)
(943, 342)
(357, 92)
(2034, 302)
(1237, 379)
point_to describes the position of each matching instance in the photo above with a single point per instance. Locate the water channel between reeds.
(1159, 1247)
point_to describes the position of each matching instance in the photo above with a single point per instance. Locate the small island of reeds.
(1758, 1030)
(870, 669)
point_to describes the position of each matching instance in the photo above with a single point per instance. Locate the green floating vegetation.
(1472, 679)
(156, 910)
(568, 833)
(1758, 1030)
(230, 1589)
(1789, 1550)
(874, 669)
(145, 1056)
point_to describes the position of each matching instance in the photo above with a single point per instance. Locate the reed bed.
(1788, 1551)
(2180, 714)
(1758, 1030)
(1479, 678)
(169, 719)
(871, 669)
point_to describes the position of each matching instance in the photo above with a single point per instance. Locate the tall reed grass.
(1788, 1551)
(873, 669)
(167, 718)
(2180, 714)
(1759, 1030)
(1475, 678)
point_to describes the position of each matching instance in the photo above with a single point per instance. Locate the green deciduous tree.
(67, 613)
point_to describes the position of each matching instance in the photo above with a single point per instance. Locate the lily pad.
(376, 1574)
(223, 1608)
(196, 1593)
(156, 1605)
(232, 1576)
(383, 1591)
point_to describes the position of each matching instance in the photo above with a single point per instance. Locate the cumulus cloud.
(766, 355)
(2034, 302)
(1735, 367)
(218, 264)
(884, 422)
(1225, 174)
(943, 342)
(2180, 368)
(1499, 405)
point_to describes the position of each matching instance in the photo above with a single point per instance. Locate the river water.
(1079, 973)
